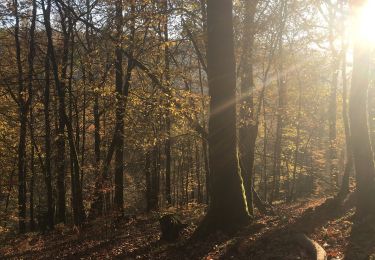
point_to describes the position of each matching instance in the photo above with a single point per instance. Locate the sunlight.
(365, 22)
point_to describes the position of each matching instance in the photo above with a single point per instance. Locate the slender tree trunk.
(31, 58)
(32, 168)
(23, 128)
(332, 108)
(78, 209)
(265, 174)
(281, 109)
(291, 193)
(122, 91)
(204, 139)
(60, 142)
(344, 190)
(119, 151)
(148, 181)
(47, 144)
(154, 182)
(168, 115)
(248, 127)
(198, 173)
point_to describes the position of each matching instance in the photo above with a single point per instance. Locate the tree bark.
(31, 59)
(23, 128)
(360, 139)
(78, 209)
(281, 78)
(248, 131)
(228, 208)
(47, 146)
(168, 115)
(119, 151)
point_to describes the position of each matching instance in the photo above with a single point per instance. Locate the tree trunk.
(168, 115)
(78, 209)
(204, 139)
(332, 108)
(22, 130)
(47, 145)
(119, 151)
(281, 109)
(248, 127)
(228, 208)
(198, 173)
(360, 139)
(291, 193)
(31, 58)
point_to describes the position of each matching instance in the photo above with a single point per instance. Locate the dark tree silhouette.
(228, 208)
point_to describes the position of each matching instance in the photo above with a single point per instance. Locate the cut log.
(311, 246)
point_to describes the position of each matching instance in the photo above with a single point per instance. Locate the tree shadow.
(362, 239)
(280, 242)
(251, 241)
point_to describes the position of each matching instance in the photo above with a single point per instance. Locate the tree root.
(311, 246)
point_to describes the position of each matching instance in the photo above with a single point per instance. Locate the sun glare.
(365, 28)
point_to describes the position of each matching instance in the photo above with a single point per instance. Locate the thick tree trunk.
(360, 139)
(228, 208)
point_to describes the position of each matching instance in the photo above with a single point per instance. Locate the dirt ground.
(333, 225)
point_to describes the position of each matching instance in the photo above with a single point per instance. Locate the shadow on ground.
(362, 240)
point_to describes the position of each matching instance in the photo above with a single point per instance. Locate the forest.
(187, 129)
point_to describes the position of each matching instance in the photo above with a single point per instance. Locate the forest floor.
(332, 225)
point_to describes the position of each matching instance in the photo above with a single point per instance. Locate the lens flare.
(365, 22)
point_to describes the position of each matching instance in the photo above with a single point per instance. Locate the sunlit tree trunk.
(360, 139)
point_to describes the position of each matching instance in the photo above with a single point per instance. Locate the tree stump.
(171, 227)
